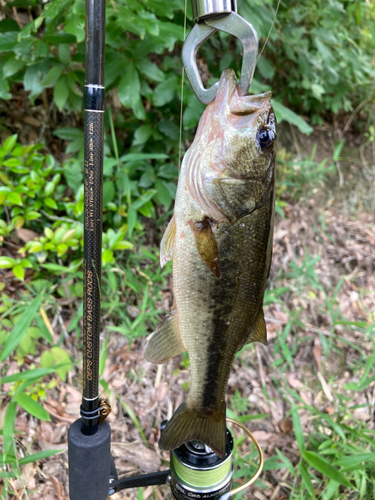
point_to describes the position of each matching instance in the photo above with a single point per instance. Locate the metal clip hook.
(233, 24)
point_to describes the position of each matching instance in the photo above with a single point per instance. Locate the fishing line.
(182, 96)
(271, 28)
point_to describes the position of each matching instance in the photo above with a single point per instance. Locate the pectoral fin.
(167, 243)
(165, 342)
(206, 245)
(258, 332)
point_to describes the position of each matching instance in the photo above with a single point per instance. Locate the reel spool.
(197, 472)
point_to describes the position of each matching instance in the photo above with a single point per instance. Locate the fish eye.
(265, 137)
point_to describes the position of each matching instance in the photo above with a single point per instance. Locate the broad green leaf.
(284, 113)
(7, 262)
(34, 77)
(52, 76)
(38, 456)
(162, 193)
(165, 91)
(69, 133)
(14, 199)
(19, 272)
(21, 327)
(10, 142)
(50, 202)
(32, 406)
(142, 134)
(129, 86)
(324, 467)
(192, 113)
(59, 359)
(8, 41)
(61, 92)
(108, 192)
(150, 70)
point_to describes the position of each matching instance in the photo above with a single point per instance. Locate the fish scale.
(220, 240)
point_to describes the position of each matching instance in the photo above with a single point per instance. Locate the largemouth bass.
(220, 239)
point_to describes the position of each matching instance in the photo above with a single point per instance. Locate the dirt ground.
(345, 245)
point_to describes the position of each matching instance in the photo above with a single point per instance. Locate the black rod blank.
(94, 104)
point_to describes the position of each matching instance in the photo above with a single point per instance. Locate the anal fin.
(165, 342)
(258, 332)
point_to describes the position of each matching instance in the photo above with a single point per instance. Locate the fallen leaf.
(26, 235)
(141, 456)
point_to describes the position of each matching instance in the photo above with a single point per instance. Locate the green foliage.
(319, 53)
(317, 56)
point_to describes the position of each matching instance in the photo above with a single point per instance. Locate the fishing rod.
(195, 470)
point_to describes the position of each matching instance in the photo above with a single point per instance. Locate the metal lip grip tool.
(219, 15)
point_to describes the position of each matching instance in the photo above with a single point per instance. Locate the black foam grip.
(89, 462)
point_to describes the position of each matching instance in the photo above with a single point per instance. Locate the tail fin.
(188, 423)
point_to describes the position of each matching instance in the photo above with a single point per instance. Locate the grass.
(309, 395)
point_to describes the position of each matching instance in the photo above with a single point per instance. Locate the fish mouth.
(228, 100)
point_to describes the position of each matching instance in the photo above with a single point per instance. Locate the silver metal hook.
(233, 24)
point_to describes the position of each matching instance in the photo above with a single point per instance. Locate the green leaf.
(165, 92)
(306, 479)
(34, 77)
(61, 92)
(192, 113)
(7, 262)
(287, 463)
(297, 428)
(132, 219)
(31, 406)
(50, 202)
(129, 86)
(8, 41)
(38, 456)
(107, 256)
(52, 76)
(32, 214)
(14, 198)
(69, 133)
(57, 358)
(21, 327)
(64, 52)
(355, 459)
(8, 429)
(284, 113)
(324, 467)
(150, 70)
(163, 194)
(19, 272)
(108, 192)
(142, 134)
(36, 373)
(10, 142)
(143, 156)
